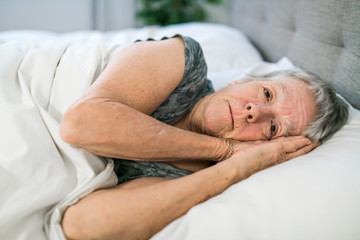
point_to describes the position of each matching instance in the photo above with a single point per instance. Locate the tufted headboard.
(321, 36)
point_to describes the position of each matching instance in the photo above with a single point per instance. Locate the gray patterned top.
(193, 86)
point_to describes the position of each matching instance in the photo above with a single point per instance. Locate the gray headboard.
(322, 36)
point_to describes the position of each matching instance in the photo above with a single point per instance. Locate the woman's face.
(259, 110)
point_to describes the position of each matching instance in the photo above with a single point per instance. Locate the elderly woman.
(183, 142)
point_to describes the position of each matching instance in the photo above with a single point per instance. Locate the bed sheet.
(315, 196)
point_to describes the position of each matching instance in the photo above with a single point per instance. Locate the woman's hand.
(251, 157)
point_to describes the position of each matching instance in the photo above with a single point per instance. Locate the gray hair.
(332, 111)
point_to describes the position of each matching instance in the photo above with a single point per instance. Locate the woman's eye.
(267, 94)
(273, 129)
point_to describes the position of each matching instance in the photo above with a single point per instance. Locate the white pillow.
(216, 40)
(221, 79)
(224, 47)
(315, 196)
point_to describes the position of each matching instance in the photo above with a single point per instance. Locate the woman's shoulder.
(195, 64)
(193, 86)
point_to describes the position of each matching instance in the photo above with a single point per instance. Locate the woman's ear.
(234, 82)
(243, 80)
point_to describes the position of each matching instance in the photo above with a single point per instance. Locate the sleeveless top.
(193, 86)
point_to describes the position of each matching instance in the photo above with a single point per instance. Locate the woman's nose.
(254, 112)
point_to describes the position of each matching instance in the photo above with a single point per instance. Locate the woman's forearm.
(109, 128)
(139, 209)
(112, 117)
(123, 213)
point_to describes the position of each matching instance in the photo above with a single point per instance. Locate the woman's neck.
(194, 120)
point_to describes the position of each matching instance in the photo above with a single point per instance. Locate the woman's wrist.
(224, 150)
(230, 149)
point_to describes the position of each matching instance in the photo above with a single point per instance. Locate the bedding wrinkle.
(54, 76)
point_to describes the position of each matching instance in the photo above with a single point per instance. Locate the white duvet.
(312, 197)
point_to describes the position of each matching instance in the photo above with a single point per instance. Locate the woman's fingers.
(256, 157)
(291, 144)
(301, 151)
(294, 146)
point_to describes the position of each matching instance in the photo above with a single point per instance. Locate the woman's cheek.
(217, 121)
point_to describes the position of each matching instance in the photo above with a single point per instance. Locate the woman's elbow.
(67, 132)
(71, 126)
(73, 224)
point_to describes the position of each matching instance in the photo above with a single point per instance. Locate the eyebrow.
(280, 93)
(281, 96)
(288, 127)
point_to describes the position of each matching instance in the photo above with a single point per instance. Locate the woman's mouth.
(231, 115)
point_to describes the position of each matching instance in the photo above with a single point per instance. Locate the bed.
(316, 196)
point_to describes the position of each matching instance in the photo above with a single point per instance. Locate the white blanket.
(40, 174)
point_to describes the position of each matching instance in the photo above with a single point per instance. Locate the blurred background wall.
(103, 15)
